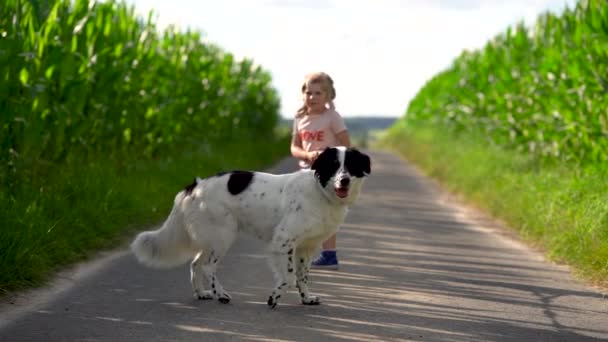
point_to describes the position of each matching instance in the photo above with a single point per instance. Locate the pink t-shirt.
(318, 131)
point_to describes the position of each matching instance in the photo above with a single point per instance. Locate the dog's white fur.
(293, 213)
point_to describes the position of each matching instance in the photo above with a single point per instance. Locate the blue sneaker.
(328, 260)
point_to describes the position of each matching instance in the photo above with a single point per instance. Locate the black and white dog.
(293, 213)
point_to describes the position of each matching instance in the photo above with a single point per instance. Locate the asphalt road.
(415, 266)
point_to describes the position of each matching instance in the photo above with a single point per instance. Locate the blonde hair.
(327, 84)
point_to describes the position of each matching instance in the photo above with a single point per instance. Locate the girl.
(317, 125)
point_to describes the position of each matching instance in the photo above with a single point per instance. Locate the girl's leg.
(328, 258)
(330, 244)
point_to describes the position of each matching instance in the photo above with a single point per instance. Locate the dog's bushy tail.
(168, 246)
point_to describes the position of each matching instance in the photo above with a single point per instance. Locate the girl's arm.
(298, 152)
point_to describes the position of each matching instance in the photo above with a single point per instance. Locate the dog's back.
(209, 212)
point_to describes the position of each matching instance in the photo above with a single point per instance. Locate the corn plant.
(80, 78)
(541, 90)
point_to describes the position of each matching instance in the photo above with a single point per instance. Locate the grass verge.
(64, 214)
(560, 208)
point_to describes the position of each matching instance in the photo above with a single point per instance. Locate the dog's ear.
(326, 165)
(358, 163)
(321, 159)
(367, 163)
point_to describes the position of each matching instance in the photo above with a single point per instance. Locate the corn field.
(103, 117)
(83, 77)
(543, 90)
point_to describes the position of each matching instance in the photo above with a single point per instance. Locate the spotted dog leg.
(200, 285)
(302, 270)
(208, 267)
(282, 265)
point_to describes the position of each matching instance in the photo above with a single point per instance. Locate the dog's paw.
(311, 300)
(203, 295)
(224, 298)
(273, 301)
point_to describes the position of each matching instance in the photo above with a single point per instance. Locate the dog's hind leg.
(214, 232)
(200, 284)
(207, 264)
(302, 269)
(281, 261)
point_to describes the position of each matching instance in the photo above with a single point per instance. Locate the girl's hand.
(312, 155)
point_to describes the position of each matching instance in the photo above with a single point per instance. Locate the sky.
(378, 52)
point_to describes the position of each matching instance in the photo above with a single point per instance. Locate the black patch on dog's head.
(326, 165)
(356, 163)
(189, 188)
(239, 181)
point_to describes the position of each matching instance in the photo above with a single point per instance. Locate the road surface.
(415, 266)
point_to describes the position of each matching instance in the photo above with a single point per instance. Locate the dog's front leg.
(282, 264)
(302, 269)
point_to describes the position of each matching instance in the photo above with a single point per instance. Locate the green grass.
(560, 208)
(65, 213)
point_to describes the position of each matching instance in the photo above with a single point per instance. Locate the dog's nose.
(344, 181)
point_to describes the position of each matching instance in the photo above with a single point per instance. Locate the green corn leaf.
(118, 50)
(49, 72)
(108, 25)
(24, 76)
(74, 44)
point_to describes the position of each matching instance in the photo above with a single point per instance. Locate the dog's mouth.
(341, 192)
